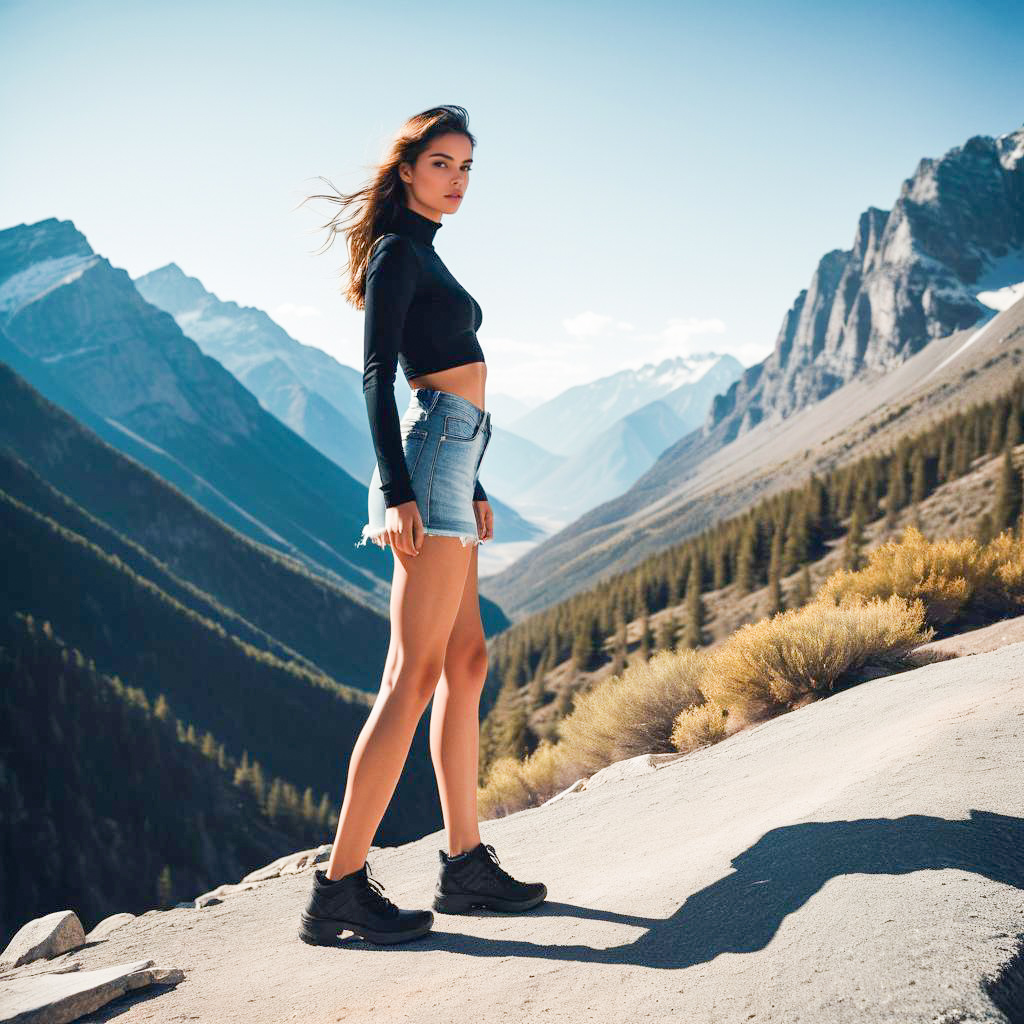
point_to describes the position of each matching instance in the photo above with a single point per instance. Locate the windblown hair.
(377, 202)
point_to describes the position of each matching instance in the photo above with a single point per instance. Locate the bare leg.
(425, 594)
(455, 720)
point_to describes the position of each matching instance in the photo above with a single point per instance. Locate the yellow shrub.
(632, 713)
(699, 725)
(949, 576)
(807, 651)
(512, 785)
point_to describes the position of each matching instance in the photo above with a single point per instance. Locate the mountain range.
(920, 305)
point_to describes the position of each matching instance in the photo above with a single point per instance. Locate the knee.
(466, 669)
(415, 682)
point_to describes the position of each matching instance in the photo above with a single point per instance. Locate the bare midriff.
(466, 381)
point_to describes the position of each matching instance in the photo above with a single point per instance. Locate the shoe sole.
(319, 931)
(459, 903)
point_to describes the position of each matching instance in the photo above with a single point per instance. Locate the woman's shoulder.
(392, 247)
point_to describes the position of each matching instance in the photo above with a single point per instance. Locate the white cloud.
(586, 325)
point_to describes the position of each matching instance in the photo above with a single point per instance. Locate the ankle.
(458, 850)
(340, 871)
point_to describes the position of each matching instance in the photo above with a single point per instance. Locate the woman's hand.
(484, 519)
(403, 528)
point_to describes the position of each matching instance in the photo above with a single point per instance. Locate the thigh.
(467, 635)
(426, 593)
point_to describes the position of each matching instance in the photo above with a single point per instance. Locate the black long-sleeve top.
(418, 315)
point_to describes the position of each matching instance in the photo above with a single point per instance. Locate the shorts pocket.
(458, 428)
(413, 444)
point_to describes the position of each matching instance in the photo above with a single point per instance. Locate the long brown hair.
(377, 202)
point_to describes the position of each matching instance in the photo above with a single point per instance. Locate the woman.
(426, 503)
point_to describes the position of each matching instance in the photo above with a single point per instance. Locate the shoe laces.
(498, 870)
(375, 890)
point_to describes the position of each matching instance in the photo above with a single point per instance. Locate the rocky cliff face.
(914, 274)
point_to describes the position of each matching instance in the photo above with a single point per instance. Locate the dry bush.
(628, 714)
(1001, 591)
(698, 725)
(680, 700)
(951, 577)
(513, 785)
(777, 663)
(632, 713)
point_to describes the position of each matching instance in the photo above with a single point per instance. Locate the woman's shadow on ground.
(742, 911)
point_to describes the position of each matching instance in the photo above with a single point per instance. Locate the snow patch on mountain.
(42, 277)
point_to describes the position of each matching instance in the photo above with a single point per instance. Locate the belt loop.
(434, 401)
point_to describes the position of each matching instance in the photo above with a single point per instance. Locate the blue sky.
(649, 179)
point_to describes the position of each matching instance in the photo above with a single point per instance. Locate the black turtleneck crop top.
(416, 314)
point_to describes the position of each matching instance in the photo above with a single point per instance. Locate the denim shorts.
(444, 437)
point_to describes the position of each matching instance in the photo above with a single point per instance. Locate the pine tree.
(775, 604)
(508, 721)
(961, 458)
(997, 433)
(745, 560)
(275, 801)
(975, 434)
(242, 771)
(621, 646)
(666, 640)
(583, 650)
(854, 543)
(919, 485)
(796, 549)
(1007, 504)
(720, 564)
(945, 457)
(535, 694)
(896, 492)
(1013, 420)
(309, 812)
(816, 505)
(516, 738)
(802, 590)
(257, 784)
(646, 639)
(694, 634)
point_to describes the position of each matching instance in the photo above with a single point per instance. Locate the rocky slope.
(860, 859)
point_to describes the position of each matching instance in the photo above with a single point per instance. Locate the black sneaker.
(356, 903)
(474, 879)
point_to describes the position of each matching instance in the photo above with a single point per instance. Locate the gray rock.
(107, 925)
(44, 937)
(290, 864)
(59, 997)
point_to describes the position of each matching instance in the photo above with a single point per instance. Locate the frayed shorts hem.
(468, 539)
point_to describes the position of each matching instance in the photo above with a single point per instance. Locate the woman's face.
(437, 182)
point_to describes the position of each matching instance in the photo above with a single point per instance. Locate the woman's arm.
(391, 276)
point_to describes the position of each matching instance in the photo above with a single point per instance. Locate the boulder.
(43, 938)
